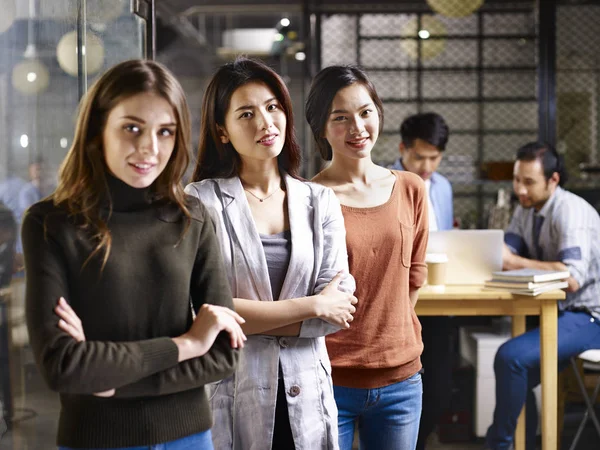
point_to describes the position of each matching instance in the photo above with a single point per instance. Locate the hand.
(573, 285)
(71, 324)
(69, 321)
(335, 306)
(109, 393)
(209, 322)
(507, 257)
(18, 263)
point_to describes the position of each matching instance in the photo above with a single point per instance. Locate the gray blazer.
(244, 404)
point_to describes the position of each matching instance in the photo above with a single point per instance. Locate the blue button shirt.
(9, 194)
(440, 196)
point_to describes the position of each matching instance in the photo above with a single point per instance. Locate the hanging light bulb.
(30, 76)
(455, 8)
(8, 14)
(93, 52)
(430, 48)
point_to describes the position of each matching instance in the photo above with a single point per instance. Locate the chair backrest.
(591, 359)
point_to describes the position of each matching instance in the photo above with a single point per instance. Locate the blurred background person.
(423, 142)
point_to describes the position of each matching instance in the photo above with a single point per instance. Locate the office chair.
(591, 361)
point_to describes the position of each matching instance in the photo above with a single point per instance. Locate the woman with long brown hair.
(118, 260)
(283, 244)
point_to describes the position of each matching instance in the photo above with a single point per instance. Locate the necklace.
(265, 198)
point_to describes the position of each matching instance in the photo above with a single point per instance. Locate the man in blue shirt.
(551, 229)
(8, 233)
(423, 141)
(18, 194)
(9, 192)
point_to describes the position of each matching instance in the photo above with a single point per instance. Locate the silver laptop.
(472, 254)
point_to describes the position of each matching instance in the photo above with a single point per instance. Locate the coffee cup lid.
(436, 258)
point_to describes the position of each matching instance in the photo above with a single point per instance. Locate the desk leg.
(518, 327)
(549, 373)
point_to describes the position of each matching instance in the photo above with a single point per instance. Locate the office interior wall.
(481, 73)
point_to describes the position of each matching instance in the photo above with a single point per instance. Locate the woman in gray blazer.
(282, 239)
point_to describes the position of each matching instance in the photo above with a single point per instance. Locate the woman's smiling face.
(138, 139)
(353, 124)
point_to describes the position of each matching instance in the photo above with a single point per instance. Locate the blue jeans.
(388, 417)
(517, 370)
(199, 441)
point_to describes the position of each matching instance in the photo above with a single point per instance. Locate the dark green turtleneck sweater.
(129, 311)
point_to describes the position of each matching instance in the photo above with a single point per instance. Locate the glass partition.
(50, 53)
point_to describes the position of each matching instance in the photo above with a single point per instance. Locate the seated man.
(423, 142)
(551, 229)
(8, 233)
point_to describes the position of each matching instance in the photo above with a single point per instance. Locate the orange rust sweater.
(386, 251)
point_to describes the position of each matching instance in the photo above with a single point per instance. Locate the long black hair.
(323, 90)
(218, 160)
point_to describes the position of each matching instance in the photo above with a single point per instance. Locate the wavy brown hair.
(82, 182)
(218, 160)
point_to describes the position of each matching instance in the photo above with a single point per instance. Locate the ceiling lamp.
(93, 53)
(8, 14)
(455, 8)
(415, 36)
(30, 76)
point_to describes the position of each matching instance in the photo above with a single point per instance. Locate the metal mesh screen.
(577, 108)
(478, 72)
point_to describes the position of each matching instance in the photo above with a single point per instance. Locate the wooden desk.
(474, 301)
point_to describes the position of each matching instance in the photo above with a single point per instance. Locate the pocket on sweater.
(407, 244)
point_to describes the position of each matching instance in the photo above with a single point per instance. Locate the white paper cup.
(436, 268)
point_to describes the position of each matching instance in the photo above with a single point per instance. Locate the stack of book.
(527, 281)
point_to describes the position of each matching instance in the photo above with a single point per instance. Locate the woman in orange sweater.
(376, 362)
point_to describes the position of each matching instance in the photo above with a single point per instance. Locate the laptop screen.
(472, 254)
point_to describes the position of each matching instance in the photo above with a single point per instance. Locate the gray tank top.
(278, 248)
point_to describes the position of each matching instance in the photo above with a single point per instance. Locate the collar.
(123, 197)
(296, 190)
(398, 166)
(549, 205)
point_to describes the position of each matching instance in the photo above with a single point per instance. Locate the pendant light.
(430, 48)
(93, 52)
(30, 76)
(455, 8)
(8, 14)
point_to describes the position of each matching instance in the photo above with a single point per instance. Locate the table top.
(476, 292)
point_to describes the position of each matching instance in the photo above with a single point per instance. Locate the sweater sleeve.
(66, 365)
(208, 285)
(418, 268)
(335, 258)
